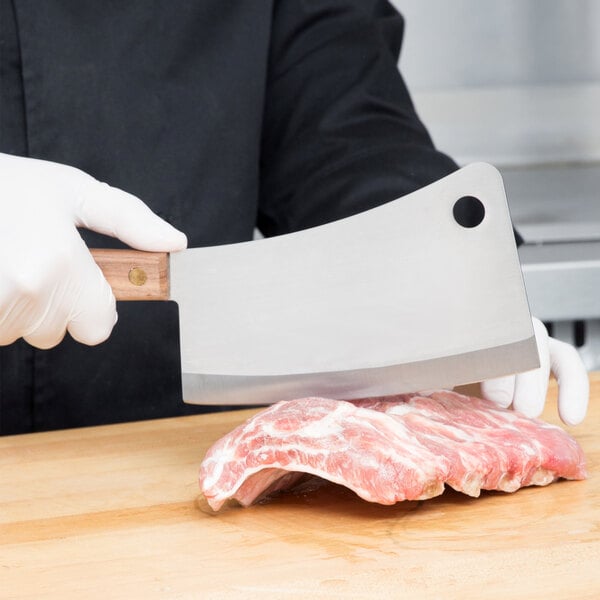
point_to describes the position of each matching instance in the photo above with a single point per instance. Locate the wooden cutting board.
(115, 512)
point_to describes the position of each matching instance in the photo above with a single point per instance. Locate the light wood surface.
(115, 512)
(134, 275)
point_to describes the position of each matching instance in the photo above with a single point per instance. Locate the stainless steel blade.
(395, 299)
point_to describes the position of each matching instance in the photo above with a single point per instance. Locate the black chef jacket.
(222, 116)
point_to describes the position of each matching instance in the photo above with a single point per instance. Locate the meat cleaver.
(400, 298)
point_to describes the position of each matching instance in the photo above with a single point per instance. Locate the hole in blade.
(468, 211)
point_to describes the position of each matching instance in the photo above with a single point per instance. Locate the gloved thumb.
(117, 213)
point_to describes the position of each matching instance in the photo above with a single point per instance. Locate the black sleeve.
(340, 133)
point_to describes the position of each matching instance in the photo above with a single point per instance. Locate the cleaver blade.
(399, 298)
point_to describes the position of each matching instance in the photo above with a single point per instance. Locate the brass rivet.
(138, 276)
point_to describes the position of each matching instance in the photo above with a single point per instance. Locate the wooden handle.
(135, 275)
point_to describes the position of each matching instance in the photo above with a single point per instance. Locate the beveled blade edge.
(439, 373)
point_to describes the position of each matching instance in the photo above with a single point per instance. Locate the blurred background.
(517, 84)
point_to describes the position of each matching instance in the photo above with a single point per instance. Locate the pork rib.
(388, 449)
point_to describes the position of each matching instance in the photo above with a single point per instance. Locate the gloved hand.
(526, 392)
(49, 282)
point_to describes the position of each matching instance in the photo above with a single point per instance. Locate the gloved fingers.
(530, 392)
(573, 383)
(83, 303)
(531, 387)
(25, 297)
(93, 322)
(48, 279)
(114, 212)
(12, 314)
(500, 390)
(47, 334)
(46, 319)
(42, 331)
(93, 314)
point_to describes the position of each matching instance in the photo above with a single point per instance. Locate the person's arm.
(49, 283)
(340, 131)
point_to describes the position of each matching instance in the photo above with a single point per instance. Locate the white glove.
(49, 282)
(526, 392)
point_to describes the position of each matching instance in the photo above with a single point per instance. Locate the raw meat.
(388, 449)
